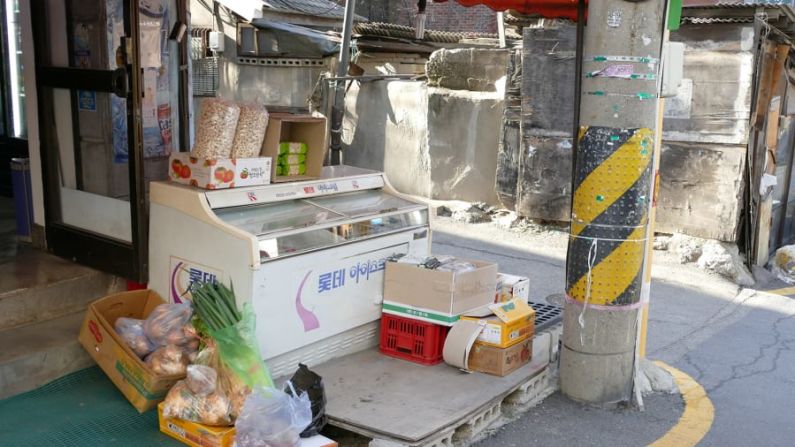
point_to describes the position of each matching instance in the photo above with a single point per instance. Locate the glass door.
(110, 94)
(13, 129)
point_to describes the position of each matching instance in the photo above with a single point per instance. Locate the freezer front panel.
(304, 299)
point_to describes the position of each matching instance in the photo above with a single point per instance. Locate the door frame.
(124, 259)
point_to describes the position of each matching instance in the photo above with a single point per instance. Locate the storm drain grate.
(546, 315)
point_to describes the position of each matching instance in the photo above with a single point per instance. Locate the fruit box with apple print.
(219, 173)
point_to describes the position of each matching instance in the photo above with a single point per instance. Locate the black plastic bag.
(304, 380)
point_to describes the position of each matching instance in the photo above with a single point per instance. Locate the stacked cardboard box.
(506, 340)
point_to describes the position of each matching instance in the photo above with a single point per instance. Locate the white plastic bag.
(273, 418)
(131, 330)
(201, 379)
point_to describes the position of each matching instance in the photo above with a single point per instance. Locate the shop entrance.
(13, 129)
(112, 106)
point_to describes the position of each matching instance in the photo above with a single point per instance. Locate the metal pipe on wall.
(338, 107)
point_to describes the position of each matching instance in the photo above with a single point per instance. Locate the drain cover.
(546, 315)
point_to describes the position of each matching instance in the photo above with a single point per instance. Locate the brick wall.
(449, 16)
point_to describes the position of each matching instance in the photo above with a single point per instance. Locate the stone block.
(701, 189)
(474, 69)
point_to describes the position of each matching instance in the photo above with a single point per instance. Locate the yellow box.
(195, 434)
(512, 323)
(139, 384)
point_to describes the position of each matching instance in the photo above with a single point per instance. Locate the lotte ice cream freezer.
(309, 255)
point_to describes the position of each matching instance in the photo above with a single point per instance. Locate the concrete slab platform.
(408, 404)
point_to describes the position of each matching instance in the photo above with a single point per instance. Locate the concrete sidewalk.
(738, 344)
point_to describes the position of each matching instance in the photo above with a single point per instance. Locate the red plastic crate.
(412, 340)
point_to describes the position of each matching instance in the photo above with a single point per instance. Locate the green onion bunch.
(215, 305)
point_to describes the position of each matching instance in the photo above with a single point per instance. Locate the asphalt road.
(739, 345)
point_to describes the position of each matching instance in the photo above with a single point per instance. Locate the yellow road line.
(785, 291)
(697, 418)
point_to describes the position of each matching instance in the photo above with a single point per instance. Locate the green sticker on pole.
(674, 14)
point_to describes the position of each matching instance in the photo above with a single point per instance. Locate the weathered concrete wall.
(544, 187)
(544, 180)
(386, 128)
(704, 130)
(714, 102)
(433, 142)
(464, 133)
(701, 190)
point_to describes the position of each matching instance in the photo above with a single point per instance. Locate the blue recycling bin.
(23, 198)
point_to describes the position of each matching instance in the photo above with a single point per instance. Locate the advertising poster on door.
(317, 299)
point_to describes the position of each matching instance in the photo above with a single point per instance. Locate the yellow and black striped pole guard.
(609, 215)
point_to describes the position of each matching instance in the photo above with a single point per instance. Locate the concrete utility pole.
(613, 182)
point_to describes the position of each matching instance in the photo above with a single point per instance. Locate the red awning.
(565, 9)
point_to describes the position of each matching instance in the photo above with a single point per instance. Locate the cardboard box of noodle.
(511, 323)
(195, 434)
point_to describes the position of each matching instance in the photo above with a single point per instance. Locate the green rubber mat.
(81, 409)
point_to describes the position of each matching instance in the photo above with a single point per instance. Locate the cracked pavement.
(739, 344)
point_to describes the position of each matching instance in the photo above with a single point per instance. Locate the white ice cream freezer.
(310, 255)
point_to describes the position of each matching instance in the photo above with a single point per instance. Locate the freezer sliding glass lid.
(275, 217)
(365, 203)
(295, 214)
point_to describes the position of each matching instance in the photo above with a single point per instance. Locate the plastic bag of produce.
(306, 381)
(167, 324)
(131, 330)
(250, 130)
(238, 349)
(210, 409)
(168, 360)
(273, 418)
(215, 131)
(201, 379)
(227, 382)
(232, 334)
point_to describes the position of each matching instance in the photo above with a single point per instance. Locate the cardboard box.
(444, 296)
(142, 387)
(200, 435)
(511, 323)
(219, 173)
(500, 361)
(512, 286)
(419, 313)
(195, 434)
(285, 127)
